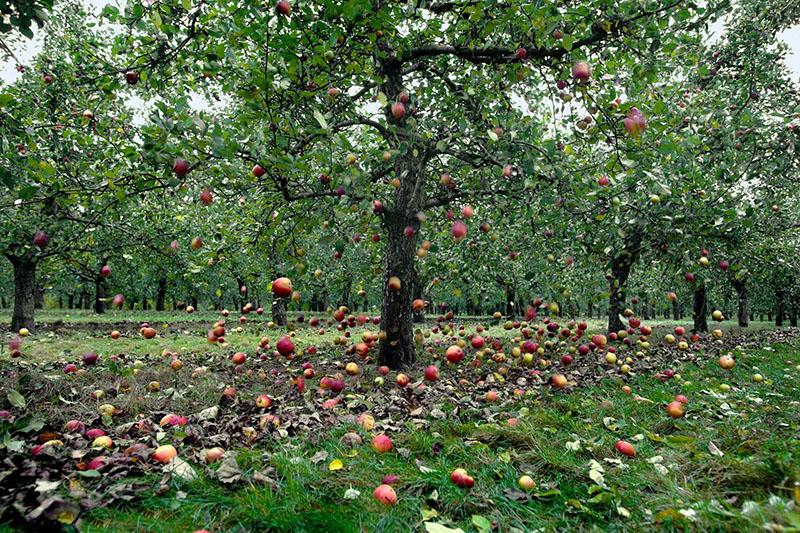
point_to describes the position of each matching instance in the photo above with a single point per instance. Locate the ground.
(305, 463)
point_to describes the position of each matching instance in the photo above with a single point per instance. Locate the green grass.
(675, 482)
(755, 425)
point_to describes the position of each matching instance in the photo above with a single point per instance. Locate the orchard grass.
(755, 426)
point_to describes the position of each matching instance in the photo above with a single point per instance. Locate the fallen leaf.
(336, 464)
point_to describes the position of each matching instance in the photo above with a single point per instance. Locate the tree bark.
(417, 316)
(396, 349)
(676, 310)
(24, 293)
(99, 295)
(700, 309)
(621, 266)
(742, 313)
(38, 298)
(510, 312)
(279, 311)
(161, 293)
(793, 314)
(345, 298)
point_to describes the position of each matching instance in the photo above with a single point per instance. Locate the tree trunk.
(417, 316)
(279, 311)
(510, 312)
(700, 309)
(793, 313)
(676, 310)
(396, 349)
(38, 298)
(345, 299)
(741, 292)
(161, 293)
(24, 293)
(620, 271)
(99, 295)
(779, 307)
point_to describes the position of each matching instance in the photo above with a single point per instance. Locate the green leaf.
(321, 119)
(433, 527)
(481, 523)
(16, 399)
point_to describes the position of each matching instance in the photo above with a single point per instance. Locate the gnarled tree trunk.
(700, 309)
(24, 292)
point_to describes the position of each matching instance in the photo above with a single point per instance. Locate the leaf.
(428, 513)
(321, 119)
(433, 527)
(336, 464)
(713, 450)
(16, 399)
(481, 523)
(319, 456)
(229, 471)
(180, 468)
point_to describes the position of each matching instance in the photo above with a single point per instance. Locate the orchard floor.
(732, 462)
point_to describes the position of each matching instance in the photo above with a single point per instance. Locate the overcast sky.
(25, 50)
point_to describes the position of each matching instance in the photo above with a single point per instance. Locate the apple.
(454, 354)
(603, 181)
(381, 443)
(559, 381)
(206, 198)
(581, 71)
(526, 483)
(492, 396)
(263, 401)
(402, 380)
(285, 346)
(477, 342)
(351, 369)
(432, 373)
(384, 370)
(681, 398)
(154, 386)
(385, 494)
(625, 448)
(180, 167)
(238, 358)
(148, 332)
(758, 378)
(460, 477)
(458, 231)
(394, 283)
(283, 7)
(282, 287)
(165, 453)
(398, 110)
(634, 123)
(675, 409)
(197, 243)
(176, 364)
(69, 368)
(132, 77)
(258, 171)
(74, 426)
(213, 455)
(40, 239)
(103, 441)
(89, 358)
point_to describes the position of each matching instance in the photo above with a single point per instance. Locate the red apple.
(282, 287)
(180, 167)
